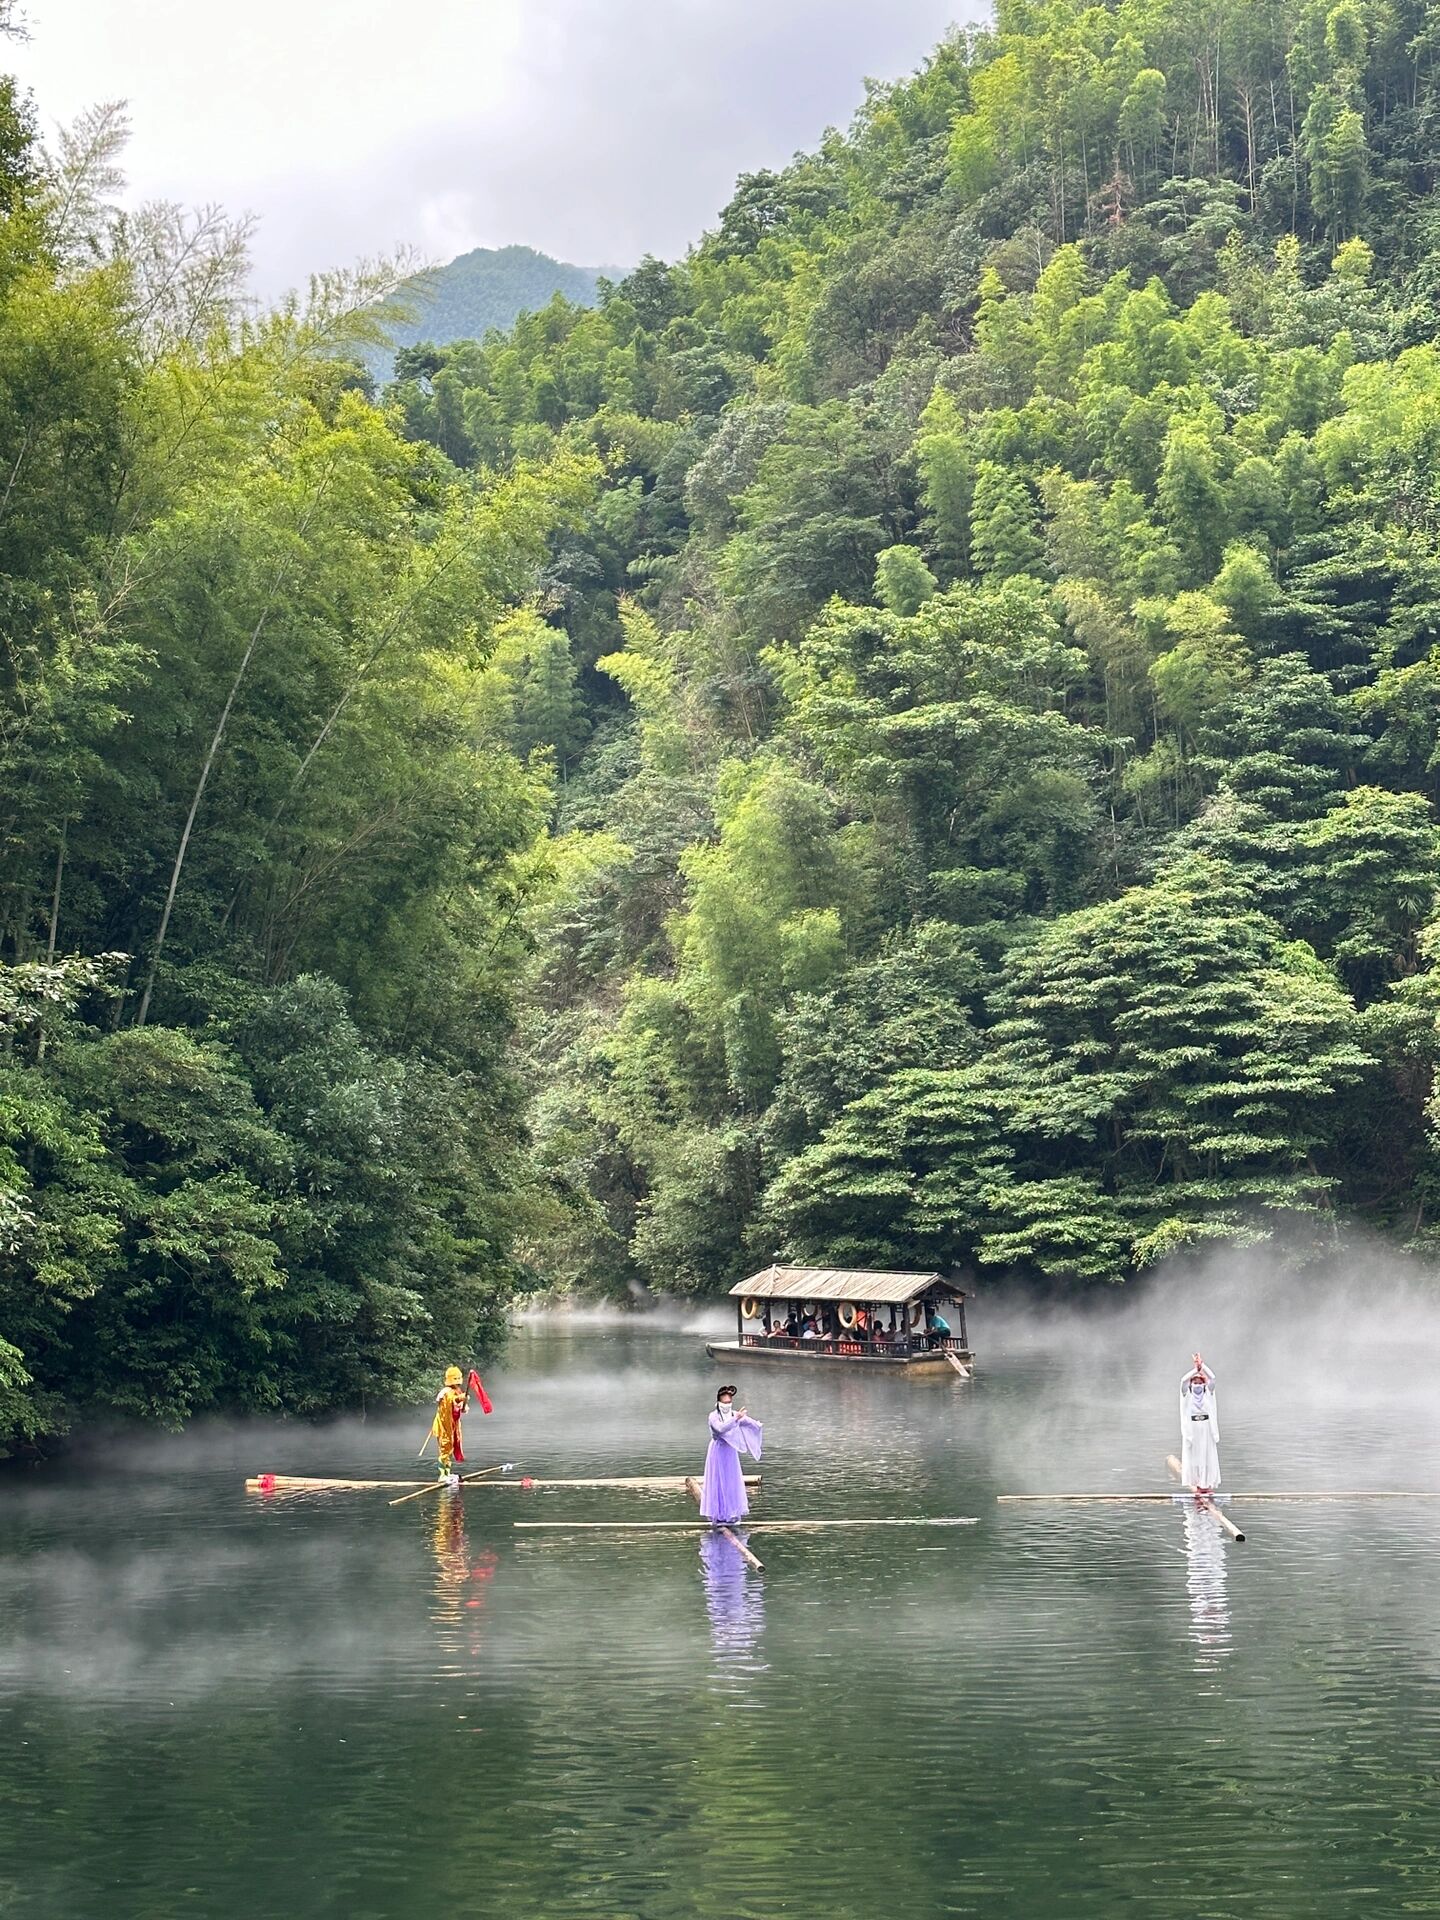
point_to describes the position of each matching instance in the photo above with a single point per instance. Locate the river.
(224, 1705)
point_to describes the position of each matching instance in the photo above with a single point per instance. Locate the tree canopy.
(909, 734)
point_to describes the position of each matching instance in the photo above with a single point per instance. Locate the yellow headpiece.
(453, 1376)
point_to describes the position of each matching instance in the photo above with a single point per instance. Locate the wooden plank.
(960, 1368)
(750, 1560)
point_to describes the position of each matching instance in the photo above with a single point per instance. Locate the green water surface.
(221, 1705)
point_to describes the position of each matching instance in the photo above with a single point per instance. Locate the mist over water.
(222, 1704)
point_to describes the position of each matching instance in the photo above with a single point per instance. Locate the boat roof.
(840, 1283)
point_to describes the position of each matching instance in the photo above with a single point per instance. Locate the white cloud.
(596, 130)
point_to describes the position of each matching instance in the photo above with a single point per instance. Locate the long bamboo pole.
(300, 1483)
(1087, 1499)
(760, 1526)
(297, 1483)
(1297, 1498)
(733, 1538)
(644, 1482)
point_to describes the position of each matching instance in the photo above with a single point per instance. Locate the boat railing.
(900, 1349)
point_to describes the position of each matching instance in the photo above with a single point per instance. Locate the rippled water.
(221, 1705)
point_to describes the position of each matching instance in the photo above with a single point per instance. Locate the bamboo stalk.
(1345, 1493)
(295, 1483)
(1087, 1499)
(1299, 1497)
(733, 1538)
(1202, 1500)
(656, 1482)
(760, 1526)
(299, 1483)
(433, 1485)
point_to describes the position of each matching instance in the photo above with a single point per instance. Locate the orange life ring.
(917, 1314)
(750, 1307)
(846, 1314)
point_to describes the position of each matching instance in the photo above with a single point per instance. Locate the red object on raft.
(266, 1483)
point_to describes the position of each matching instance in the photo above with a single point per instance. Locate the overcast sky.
(596, 130)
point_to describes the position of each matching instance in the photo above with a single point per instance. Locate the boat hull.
(896, 1363)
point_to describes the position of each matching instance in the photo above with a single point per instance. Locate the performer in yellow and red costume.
(450, 1404)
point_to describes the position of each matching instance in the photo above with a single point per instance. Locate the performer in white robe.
(1199, 1429)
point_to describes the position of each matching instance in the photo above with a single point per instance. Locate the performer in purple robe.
(722, 1493)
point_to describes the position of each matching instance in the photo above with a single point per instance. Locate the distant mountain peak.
(488, 287)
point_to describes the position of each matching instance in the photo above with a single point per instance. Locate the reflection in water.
(1205, 1579)
(226, 1708)
(735, 1601)
(461, 1584)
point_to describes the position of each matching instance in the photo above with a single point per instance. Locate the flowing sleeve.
(723, 1426)
(1214, 1412)
(751, 1433)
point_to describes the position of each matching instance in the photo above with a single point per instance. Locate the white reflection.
(1205, 1577)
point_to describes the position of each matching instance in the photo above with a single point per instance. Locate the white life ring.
(750, 1307)
(846, 1314)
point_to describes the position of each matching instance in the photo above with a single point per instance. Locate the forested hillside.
(996, 694)
(263, 850)
(910, 736)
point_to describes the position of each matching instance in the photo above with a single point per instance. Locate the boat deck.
(855, 1353)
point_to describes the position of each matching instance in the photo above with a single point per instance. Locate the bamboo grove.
(909, 736)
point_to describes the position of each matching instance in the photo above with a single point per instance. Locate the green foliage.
(278, 731)
(924, 717)
(1040, 572)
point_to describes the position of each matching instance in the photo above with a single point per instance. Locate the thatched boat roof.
(841, 1283)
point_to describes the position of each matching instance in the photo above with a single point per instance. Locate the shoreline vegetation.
(909, 736)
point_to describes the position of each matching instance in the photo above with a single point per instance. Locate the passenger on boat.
(939, 1325)
(1199, 1429)
(792, 1325)
(732, 1432)
(880, 1336)
(450, 1404)
(812, 1332)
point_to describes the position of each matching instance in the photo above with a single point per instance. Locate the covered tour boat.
(910, 1320)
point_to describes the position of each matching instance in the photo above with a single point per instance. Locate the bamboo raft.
(298, 1483)
(1178, 1498)
(1211, 1502)
(706, 1526)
